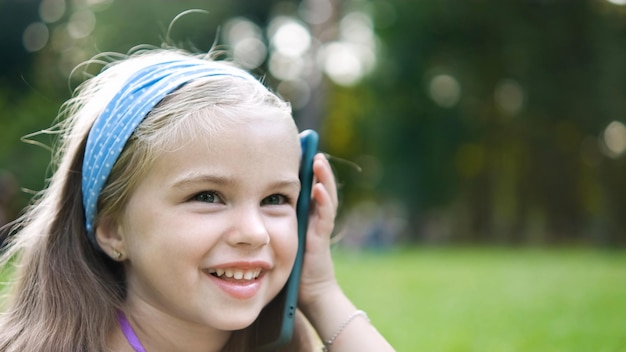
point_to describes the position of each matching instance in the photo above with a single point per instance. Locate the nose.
(249, 228)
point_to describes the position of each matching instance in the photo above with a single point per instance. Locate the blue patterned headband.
(112, 129)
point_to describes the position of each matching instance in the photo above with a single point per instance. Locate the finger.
(323, 217)
(324, 174)
(325, 205)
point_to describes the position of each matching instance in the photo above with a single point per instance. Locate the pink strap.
(128, 331)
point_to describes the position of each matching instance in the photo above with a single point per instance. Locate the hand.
(317, 271)
(320, 297)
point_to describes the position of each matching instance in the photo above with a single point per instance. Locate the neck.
(158, 331)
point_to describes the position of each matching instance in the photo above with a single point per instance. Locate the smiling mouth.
(235, 274)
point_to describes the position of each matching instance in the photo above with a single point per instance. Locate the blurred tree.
(15, 16)
(21, 104)
(487, 121)
(486, 117)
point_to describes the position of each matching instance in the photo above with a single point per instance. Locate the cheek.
(156, 230)
(284, 241)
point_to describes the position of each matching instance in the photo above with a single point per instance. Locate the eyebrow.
(192, 179)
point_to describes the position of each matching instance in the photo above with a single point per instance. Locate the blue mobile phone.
(288, 297)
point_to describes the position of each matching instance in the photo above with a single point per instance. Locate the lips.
(239, 280)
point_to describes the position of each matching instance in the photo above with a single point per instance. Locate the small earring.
(117, 255)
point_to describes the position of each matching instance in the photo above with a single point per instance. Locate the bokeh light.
(341, 62)
(509, 95)
(51, 11)
(614, 138)
(316, 12)
(285, 67)
(250, 53)
(35, 36)
(99, 4)
(289, 36)
(239, 28)
(81, 24)
(347, 60)
(444, 90)
(246, 40)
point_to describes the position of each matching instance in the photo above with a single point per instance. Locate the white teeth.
(236, 274)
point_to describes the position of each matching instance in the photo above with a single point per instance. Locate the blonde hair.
(63, 292)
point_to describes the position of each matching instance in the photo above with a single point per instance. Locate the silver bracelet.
(343, 326)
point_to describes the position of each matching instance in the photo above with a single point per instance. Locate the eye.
(275, 199)
(207, 197)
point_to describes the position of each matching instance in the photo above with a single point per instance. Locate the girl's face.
(210, 233)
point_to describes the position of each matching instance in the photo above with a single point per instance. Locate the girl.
(169, 223)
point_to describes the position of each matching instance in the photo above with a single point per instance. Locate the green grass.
(491, 300)
(458, 300)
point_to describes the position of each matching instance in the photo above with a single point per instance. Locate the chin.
(238, 321)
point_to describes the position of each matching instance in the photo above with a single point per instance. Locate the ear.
(110, 238)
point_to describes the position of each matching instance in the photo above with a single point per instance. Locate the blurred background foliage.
(471, 121)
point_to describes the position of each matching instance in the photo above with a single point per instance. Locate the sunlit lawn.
(491, 299)
(484, 300)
